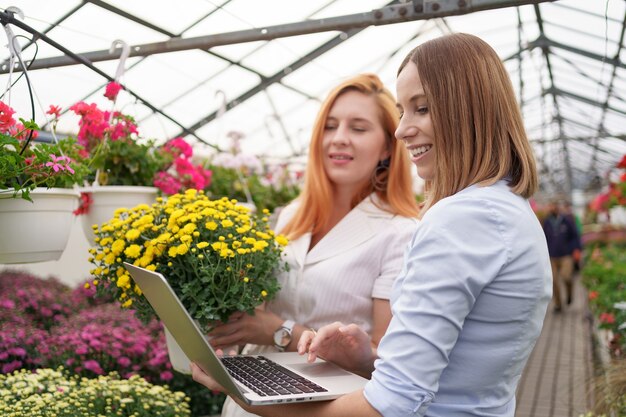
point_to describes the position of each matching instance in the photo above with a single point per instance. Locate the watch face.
(282, 337)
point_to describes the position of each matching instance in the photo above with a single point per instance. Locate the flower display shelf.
(36, 231)
(106, 199)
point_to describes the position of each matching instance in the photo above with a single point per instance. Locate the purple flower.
(11, 366)
(17, 351)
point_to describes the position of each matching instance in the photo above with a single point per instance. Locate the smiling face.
(415, 128)
(353, 142)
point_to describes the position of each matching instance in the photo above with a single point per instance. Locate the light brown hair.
(316, 197)
(478, 128)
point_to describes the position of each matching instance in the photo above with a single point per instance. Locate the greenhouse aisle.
(556, 381)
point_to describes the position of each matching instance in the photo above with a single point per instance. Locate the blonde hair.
(478, 128)
(316, 197)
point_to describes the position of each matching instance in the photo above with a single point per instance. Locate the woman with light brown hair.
(470, 301)
(348, 228)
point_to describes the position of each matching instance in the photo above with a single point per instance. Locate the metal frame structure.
(394, 12)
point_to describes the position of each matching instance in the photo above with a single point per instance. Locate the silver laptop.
(270, 378)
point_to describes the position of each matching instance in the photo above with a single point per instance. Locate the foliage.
(92, 338)
(603, 275)
(268, 186)
(181, 174)
(42, 302)
(26, 164)
(217, 257)
(55, 392)
(118, 156)
(610, 391)
(106, 338)
(615, 196)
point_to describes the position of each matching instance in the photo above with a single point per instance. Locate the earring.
(380, 175)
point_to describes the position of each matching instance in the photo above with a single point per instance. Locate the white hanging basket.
(36, 231)
(108, 198)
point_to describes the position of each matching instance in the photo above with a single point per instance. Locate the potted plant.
(36, 191)
(217, 257)
(126, 169)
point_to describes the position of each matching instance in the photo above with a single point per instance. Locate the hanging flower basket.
(36, 231)
(104, 200)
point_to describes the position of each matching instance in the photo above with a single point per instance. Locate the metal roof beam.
(544, 42)
(417, 10)
(562, 93)
(277, 77)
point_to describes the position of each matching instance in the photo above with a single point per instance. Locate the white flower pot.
(180, 362)
(37, 231)
(108, 198)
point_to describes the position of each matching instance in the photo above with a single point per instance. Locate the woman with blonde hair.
(469, 304)
(348, 229)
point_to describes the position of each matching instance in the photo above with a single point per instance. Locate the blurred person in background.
(564, 246)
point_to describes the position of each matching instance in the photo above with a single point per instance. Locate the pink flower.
(6, 117)
(93, 366)
(124, 361)
(166, 375)
(60, 163)
(112, 90)
(179, 144)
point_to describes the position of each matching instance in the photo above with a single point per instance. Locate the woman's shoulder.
(478, 205)
(285, 214)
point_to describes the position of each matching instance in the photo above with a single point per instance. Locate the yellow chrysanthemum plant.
(216, 255)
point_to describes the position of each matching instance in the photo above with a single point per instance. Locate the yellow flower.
(189, 234)
(260, 245)
(182, 249)
(123, 281)
(132, 234)
(87, 286)
(133, 251)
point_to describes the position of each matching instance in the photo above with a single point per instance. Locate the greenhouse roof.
(204, 68)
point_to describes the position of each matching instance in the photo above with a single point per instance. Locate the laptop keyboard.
(267, 378)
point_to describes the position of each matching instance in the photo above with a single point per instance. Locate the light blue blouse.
(467, 308)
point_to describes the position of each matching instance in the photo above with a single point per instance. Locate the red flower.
(112, 90)
(54, 111)
(622, 163)
(593, 295)
(607, 318)
(84, 204)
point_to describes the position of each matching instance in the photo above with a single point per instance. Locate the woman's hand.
(201, 377)
(243, 328)
(347, 346)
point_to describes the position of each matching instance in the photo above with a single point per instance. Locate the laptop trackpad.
(318, 369)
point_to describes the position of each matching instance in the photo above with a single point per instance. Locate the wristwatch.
(282, 336)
